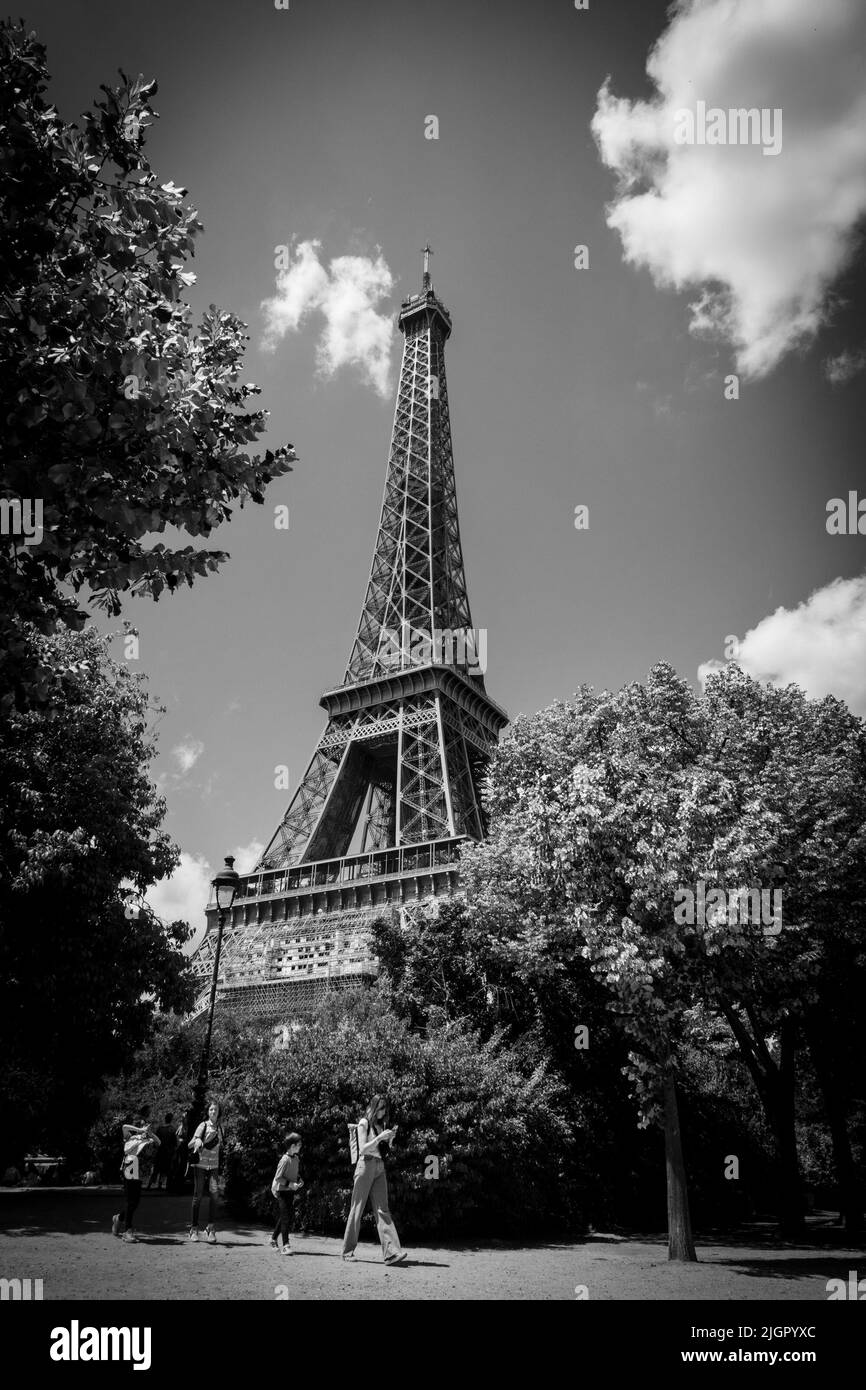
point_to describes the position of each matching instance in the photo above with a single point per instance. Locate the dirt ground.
(64, 1238)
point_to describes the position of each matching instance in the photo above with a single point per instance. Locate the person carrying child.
(285, 1185)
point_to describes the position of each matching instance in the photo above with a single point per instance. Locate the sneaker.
(115, 1224)
(211, 1236)
(129, 1237)
(273, 1244)
(193, 1233)
(396, 1259)
(349, 1256)
(287, 1250)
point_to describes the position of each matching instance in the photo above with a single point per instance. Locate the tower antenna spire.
(428, 251)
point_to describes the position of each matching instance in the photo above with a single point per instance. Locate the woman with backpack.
(205, 1146)
(372, 1184)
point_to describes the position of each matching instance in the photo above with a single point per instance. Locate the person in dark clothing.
(165, 1153)
(181, 1155)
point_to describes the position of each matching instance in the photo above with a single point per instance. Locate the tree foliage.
(602, 809)
(118, 417)
(83, 962)
(476, 959)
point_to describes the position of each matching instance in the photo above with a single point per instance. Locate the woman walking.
(371, 1183)
(205, 1146)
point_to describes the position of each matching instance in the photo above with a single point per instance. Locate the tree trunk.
(836, 1109)
(775, 1084)
(680, 1243)
(791, 1218)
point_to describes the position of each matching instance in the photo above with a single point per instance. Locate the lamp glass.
(225, 895)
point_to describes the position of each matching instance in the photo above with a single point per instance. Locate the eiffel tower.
(394, 784)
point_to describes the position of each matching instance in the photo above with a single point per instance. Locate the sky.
(598, 379)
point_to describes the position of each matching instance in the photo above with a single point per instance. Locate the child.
(286, 1182)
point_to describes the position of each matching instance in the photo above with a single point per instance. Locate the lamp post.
(225, 886)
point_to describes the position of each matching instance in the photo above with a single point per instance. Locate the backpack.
(354, 1146)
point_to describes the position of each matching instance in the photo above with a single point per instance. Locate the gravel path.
(64, 1238)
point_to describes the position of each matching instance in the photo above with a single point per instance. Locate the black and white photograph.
(433, 670)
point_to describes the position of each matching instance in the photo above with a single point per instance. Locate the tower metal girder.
(417, 583)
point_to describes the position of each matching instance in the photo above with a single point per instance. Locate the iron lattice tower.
(394, 784)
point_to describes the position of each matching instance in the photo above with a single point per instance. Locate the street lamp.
(225, 887)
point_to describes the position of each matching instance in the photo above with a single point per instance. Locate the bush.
(497, 1127)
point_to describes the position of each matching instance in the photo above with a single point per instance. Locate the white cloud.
(820, 645)
(185, 895)
(345, 295)
(187, 753)
(843, 367)
(247, 856)
(761, 238)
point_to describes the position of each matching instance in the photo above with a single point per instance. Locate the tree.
(83, 963)
(601, 835)
(785, 786)
(467, 959)
(118, 419)
(613, 803)
(447, 959)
